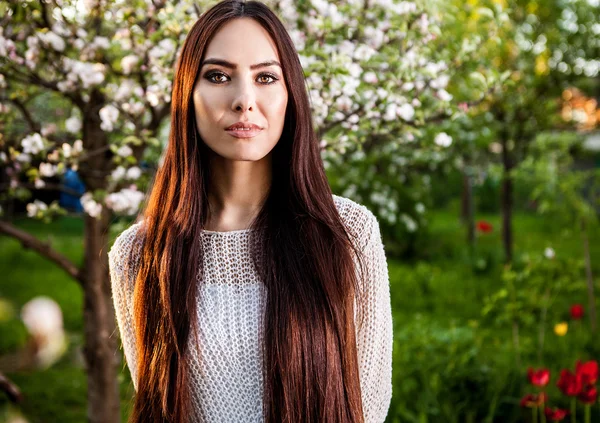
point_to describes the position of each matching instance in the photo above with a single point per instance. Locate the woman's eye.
(215, 77)
(266, 75)
(211, 77)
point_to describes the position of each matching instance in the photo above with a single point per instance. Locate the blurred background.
(469, 127)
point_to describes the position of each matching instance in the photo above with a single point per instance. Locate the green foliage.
(530, 289)
(14, 335)
(563, 190)
(440, 374)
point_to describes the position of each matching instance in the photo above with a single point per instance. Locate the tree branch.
(30, 77)
(43, 248)
(35, 126)
(11, 390)
(47, 186)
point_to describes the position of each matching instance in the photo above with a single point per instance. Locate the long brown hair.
(306, 257)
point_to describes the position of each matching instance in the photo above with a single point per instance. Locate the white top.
(226, 378)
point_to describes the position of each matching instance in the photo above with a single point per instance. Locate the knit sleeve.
(374, 329)
(123, 259)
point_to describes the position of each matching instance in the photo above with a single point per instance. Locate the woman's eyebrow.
(230, 65)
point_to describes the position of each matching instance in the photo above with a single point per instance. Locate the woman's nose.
(245, 97)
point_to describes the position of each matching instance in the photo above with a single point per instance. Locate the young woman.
(248, 292)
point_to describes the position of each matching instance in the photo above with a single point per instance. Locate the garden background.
(470, 128)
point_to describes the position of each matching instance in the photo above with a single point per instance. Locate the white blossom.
(133, 173)
(409, 222)
(408, 86)
(440, 82)
(153, 95)
(66, 150)
(134, 108)
(24, 158)
(35, 207)
(77, 146)
(126, 201)
(549, 253)
(406, 112)
(299, 38)
(48, 170)
(495, 147)
(128, 63)
(315, 81)
(444, 95)
(404, 7)
(52, 39)
(343, 103)
(391, 112)
(90, 206)
(374, 36)
(42, 315)
(118, 173)
(101, 43)
(370, 78)
(124, 151)
(443, 139)
(43, 319)
(108, 115)
(32, 144)
(48, 129)
(90, 74)
(423, 23)
(364, 52)
(73, 124)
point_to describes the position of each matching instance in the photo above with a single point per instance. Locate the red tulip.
(555, 415)
(589, 395)
(570, 384)
(485, 227)
(588, 371)
(576, 311)
(539, 377)
(533, 400)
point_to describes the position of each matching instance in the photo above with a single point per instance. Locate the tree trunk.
(507, 203)
(99, 318)
(468, 208)
(99, 323)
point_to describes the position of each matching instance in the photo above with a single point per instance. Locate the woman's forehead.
(242, 42)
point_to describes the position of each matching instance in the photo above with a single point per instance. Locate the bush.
(439, 374)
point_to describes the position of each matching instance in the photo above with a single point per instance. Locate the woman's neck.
(237, 191)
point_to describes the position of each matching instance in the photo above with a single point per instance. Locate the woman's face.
(240, 80)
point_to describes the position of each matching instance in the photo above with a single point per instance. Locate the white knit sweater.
(226, 376)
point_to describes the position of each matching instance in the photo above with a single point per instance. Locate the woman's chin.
(244, 153)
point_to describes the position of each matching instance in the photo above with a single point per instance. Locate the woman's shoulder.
(127, 246)
(358, 219)
(129, 238)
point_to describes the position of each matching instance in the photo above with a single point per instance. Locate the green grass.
(436, 300)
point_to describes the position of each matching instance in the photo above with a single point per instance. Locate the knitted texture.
(226, 361)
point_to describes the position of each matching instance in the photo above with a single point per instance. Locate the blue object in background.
(72, 181)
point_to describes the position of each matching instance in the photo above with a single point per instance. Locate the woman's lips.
(243, 133)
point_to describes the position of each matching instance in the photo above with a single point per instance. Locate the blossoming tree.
(537, 58)
(376, 70)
